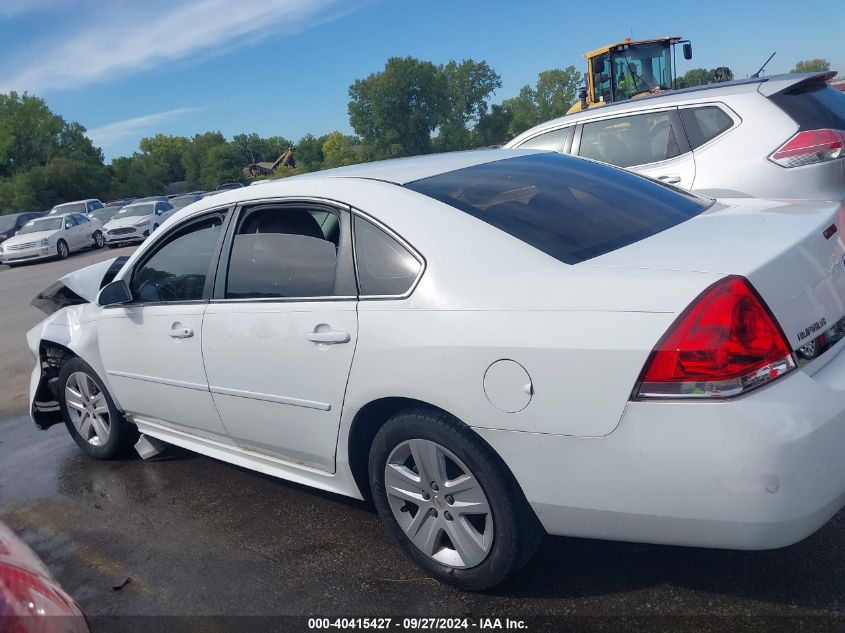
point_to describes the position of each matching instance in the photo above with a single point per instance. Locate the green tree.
(697, 76)
(222, 163)
(166, 150)
(194, 154)
(493, 127)
(396, 110)
(468, 86)
(811, 66)
(337, 151)
(523, 111)
(309, 153)
(550, 97)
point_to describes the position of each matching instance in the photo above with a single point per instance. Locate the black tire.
(99, 240)
(122, 434)
(62, 250)
(517, 533)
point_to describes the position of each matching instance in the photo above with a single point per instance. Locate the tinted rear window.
(568, 208)
(813, 106)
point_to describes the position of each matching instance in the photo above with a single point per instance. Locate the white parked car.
(491, 344)
(78, 206)
(135, 222)
(52, 236)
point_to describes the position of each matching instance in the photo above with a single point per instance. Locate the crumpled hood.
(80, 286)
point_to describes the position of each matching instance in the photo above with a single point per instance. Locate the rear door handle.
(672, 179)
(332, 336)
(181, 332)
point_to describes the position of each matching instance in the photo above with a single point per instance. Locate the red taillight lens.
(810, 146)
(724, 344)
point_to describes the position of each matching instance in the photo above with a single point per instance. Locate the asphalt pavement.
(186, 535)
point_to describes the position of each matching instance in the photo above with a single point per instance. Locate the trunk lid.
(779, 246)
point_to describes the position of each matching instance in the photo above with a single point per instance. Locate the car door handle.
(672, 179)
(181, 332)
(332, 336)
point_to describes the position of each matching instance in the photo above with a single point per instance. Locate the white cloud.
(114, 133)
(127, 37)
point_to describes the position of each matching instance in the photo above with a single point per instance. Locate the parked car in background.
(78, 206)
(488, 344)
(52, 236)
(184, 200)
(778, 137)
(106, 213)
(152, 199)
(135, 222)
(229, 185)
(31, 601)
(11, 224)
(122, 202)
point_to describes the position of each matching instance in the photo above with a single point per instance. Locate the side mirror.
(115, 293)
(687, 50)
(67, 225)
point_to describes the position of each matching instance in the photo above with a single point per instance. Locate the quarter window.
(177, 271)
(554, 140)
(285, 252)
(631, 140)
(385, 267)
(704, 124)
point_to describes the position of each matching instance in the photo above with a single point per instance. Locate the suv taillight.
(725, 343)
(809, 147)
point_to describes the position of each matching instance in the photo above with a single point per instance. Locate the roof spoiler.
(795, 80)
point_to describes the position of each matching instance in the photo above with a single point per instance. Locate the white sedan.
(490, 344)
(135, 222)
(52, 236)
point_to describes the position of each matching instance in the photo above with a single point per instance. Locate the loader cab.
(626, 70)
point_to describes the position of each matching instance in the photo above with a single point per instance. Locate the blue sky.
(126, 69)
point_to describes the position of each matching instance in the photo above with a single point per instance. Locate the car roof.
(765, 85)
(401, 171)
(76, 202)
(138, 203)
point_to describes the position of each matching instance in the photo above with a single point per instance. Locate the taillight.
(810, 146)
(724, 344)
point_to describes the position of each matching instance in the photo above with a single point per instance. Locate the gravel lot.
(197, 536)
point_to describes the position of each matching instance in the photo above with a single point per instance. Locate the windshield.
(42, 224)
(135, 210)
(570, 208)
(183, 201)
(105, 214)
(7, 223)
(72, 207)
(641, 68)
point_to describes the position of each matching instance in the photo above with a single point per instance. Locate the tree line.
(409, 107)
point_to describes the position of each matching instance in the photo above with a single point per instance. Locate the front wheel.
(62, 250)
(90, 414)
(449, 501)
(99, 240)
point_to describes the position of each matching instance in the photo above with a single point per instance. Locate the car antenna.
(757, 74)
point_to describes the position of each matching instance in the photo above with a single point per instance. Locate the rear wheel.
(99, 240)
(449, 501)
(90, 414)
(62, 250)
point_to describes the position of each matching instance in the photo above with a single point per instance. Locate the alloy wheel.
(439, 503)
(62, 250)
(87, 408)
(99, 240)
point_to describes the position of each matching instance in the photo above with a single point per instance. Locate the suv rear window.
(569, 208)
(813, 106)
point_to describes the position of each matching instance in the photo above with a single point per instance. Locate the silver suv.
(772, 137)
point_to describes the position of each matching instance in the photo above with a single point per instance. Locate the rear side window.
(568, 208)
(630, 140)
(704, 124)
(555, 141)
(385, 267)
(813, 106)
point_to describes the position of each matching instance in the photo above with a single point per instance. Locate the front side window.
(630, 140)
(284, 251)
(554, 141)
(177, 271)
(570, 209)
(80, 219)
(93, 206)
(70, 221)
(385, 267)
(704, 124)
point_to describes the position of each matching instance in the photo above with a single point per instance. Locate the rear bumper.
(759, 472)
